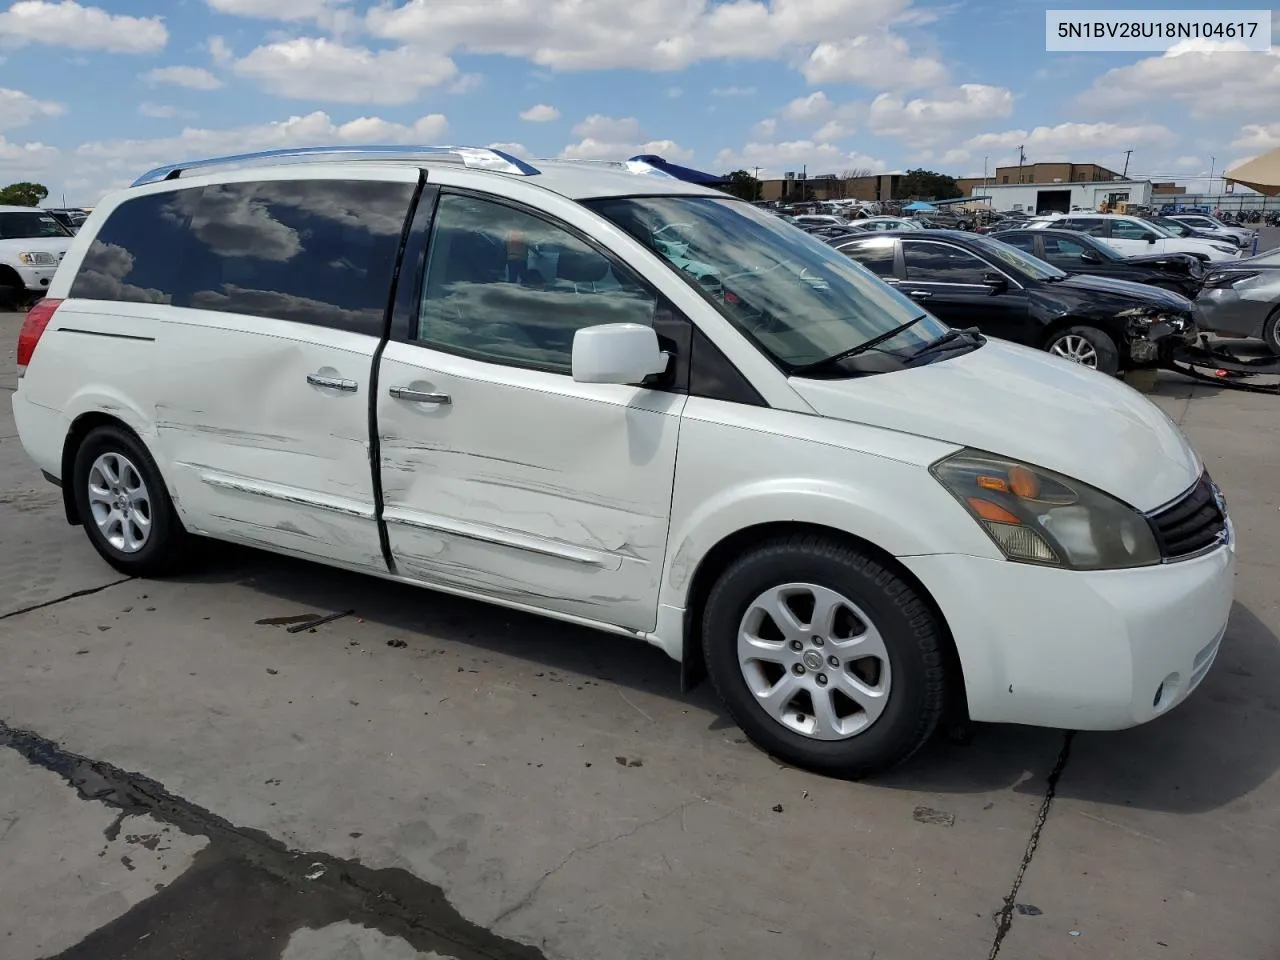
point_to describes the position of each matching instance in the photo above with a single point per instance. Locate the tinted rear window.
(310, 251)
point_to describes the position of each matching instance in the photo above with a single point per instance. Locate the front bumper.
(1224, 310)
(1156, 342)
(36, 279)
(1081, 651)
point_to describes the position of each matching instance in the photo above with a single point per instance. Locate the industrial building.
(1063, 197)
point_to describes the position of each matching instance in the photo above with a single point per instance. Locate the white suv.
(1135, 237)
(32, 244)
(451, 368)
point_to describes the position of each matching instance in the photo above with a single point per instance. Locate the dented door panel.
(526, 486)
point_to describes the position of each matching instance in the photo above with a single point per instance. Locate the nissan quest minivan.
(597, 393)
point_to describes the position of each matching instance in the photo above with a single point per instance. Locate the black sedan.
(966, 279)
(1077, 252)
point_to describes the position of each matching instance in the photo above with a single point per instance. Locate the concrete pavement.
(433, 777)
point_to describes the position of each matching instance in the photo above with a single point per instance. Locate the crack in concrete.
(529, 897)
(246, 893)
(74, 595)
(1004, 919)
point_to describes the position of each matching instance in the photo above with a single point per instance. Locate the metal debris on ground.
(930, 815)
(299, 627)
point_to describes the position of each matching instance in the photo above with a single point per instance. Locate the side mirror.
(995, 283)
(624, 353)
(1151, 238)
(1089, 256)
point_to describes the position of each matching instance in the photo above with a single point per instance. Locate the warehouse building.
(1064, 196)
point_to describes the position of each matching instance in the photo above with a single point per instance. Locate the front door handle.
(332, 383)
(919, 294)
(419, 396)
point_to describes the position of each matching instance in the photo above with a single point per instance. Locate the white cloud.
(193, 78)
(288, 10)
(1258, 136)
(219, 51)
(876, 60)
(466, 83)
(774, 159)
(67, 24)
(515, 149)
(161, 111)
(733, 91)
(654, 35)
(928, 122)
(540, 113)
(17, 108)
(1208, 79)
(25, 160)
(675, 93)
(1189, 163)
(1068, 140)
(833, 130)
(765, 129)
(812, 107)
(315, 68)
(617, 138)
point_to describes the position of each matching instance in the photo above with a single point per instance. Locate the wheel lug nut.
(798, 669)
(818, 641)
(822, 679)
(797, 646)
(833, 662)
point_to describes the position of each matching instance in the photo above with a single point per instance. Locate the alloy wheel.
(120, 502)
(1075, 348)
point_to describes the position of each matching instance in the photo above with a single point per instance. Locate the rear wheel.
(1271, 333)
(824, 656)
(124, 505)
(1087, 346)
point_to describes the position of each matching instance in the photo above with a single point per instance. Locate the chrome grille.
(1194, 523)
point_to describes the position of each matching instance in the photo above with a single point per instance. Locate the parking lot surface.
(183, 776)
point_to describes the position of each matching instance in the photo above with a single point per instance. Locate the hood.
(1023, 403)
(1139, 294)
(33, 244)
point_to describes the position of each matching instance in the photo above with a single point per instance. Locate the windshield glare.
(801, 300)
(29, 226)
(1160, 229)
(1019, 260)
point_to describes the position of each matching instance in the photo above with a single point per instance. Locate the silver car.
(1243, 297)
(1240, 236)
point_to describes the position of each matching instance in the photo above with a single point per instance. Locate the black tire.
(1108, 354)
(165, 549)
(1271, 332)
(912, 638)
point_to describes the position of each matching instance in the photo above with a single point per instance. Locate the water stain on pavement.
(246, 893)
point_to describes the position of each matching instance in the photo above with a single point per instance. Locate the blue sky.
(92, 93)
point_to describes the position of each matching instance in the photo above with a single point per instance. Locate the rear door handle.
(419, 396)
(919, 294)
(332, 383)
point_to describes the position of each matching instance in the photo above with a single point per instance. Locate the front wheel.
(1271, 333)
(124, 505)
(825, 657)
(1087, 346)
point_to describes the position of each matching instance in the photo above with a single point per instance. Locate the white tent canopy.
(1261, 174)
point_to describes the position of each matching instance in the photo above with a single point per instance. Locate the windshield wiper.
(860, 348)
(950, 336)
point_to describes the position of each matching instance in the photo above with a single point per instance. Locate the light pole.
(1212, 161)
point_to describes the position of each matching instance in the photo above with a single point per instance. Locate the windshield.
(27, 226)
(1161, 230)
(798, 298)
(1174, 228)
(1011, 256)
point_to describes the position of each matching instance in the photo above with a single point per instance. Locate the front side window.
(505, 286)
(1022, 241)
(311, 251)
(800, 300)
(1063, 248)
(38, 224)
(939, 263)
(134, 257)
(1132, 230)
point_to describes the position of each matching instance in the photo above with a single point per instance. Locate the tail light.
(33, 326)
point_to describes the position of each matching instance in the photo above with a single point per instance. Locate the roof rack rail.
(482, 158)
(638, 167)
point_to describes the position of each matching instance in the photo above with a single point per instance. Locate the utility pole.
(1212, 161)
(755, 186)
(1022, 158)
(1125, 174)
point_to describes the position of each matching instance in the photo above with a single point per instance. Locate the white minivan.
(456, 369)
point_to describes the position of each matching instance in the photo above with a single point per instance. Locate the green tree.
(922, 184)
(743, 185)
(23, 194)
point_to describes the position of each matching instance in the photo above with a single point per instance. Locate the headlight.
(1037, 516)
(40, 258)
(1223, 248)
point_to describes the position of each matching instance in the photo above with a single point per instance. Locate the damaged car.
(969, 280)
